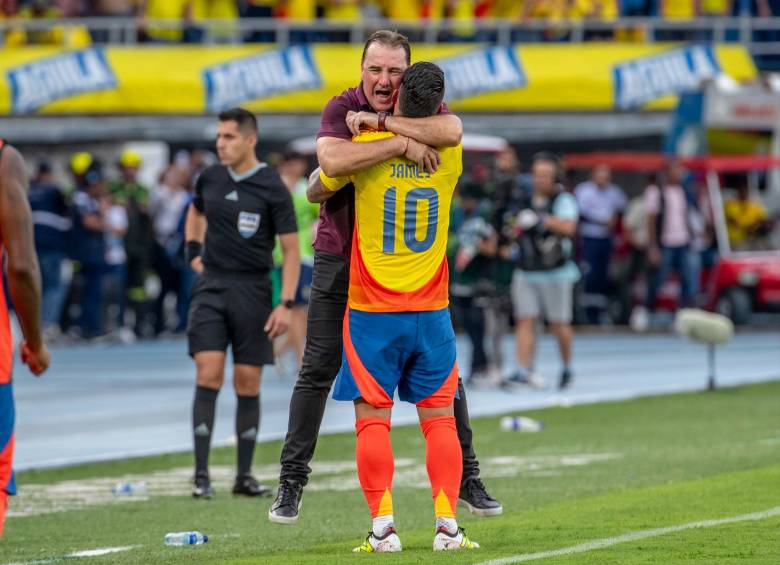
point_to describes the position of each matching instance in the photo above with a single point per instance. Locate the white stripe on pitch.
(78, 554)
(633, 536)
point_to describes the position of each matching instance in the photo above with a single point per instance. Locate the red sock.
(444, 460)
(375, 464)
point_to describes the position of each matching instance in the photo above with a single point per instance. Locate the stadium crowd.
(111, 249)
(183, 18)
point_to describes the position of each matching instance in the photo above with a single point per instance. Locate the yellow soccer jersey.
(401, 224)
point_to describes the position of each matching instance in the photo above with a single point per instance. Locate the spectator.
(134, 197)
(634, 266)
(600, 203)
(292, 170)
(168, 207)
(302, 13)
(545, 277)
(341, 11)
(52, 222)
(261, 9)
(226, 30)
(669, 239)
(115, 278)
(747, 220)
(89, 245)
(165, 32)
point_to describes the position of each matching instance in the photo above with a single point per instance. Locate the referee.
(238, 209)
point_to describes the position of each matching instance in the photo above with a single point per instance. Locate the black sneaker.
(474, 496)
(285, 508)
(201, 487)
(566, 379)
(246, 485)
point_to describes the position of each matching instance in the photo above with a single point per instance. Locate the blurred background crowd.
(195, 21)
(111, 246)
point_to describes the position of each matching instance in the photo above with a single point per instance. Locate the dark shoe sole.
(481, 512)
(286, 520)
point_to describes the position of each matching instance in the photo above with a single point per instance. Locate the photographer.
(470, 283)
(542, 227)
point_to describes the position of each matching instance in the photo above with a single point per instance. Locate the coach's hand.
(361, 120)
(37, 359)
(427, 158)
(278, 322)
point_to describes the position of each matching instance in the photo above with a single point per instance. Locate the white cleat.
(445, 541)
(388, 543)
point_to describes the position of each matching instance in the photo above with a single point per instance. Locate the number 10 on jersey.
(409, 218)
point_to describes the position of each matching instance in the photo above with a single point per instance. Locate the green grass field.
(595, 472)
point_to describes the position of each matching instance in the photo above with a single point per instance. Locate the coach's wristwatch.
(289, 304)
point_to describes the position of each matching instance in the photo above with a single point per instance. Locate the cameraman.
(543, 227)
(470, 284)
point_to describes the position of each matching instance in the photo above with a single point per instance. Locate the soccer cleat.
(246, 485)
(388, 543)
(474, 496)
(285, 508)
(201, 487)
(445, 541)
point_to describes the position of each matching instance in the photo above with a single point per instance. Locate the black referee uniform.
(231, 299)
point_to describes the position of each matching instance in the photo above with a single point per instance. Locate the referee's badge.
(248, 224)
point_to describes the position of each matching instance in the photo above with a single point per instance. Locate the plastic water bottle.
(129, 489)
(520, 424)
(185, 538)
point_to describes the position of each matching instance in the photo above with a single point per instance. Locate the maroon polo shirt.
(337, 214)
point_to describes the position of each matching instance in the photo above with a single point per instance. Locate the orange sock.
(444, 460)
(3, 507)
(375, 464)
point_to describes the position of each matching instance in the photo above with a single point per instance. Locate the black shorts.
(231, 311)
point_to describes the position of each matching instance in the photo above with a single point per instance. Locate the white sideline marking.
(78, 554)
(633, 536)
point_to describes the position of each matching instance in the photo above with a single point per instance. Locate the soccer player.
(397, 329)
(239, 207)
(24, 282)
(386, 56)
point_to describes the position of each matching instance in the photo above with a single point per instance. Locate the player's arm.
(24, 275)
(441, 130)
(194, 234)
(321, 189)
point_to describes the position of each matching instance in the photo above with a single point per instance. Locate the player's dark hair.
(244, 118)
(422, 90)
(391, 39)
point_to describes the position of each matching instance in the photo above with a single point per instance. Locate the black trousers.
(321, 363)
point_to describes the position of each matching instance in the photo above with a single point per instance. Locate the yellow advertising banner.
(301, 79)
